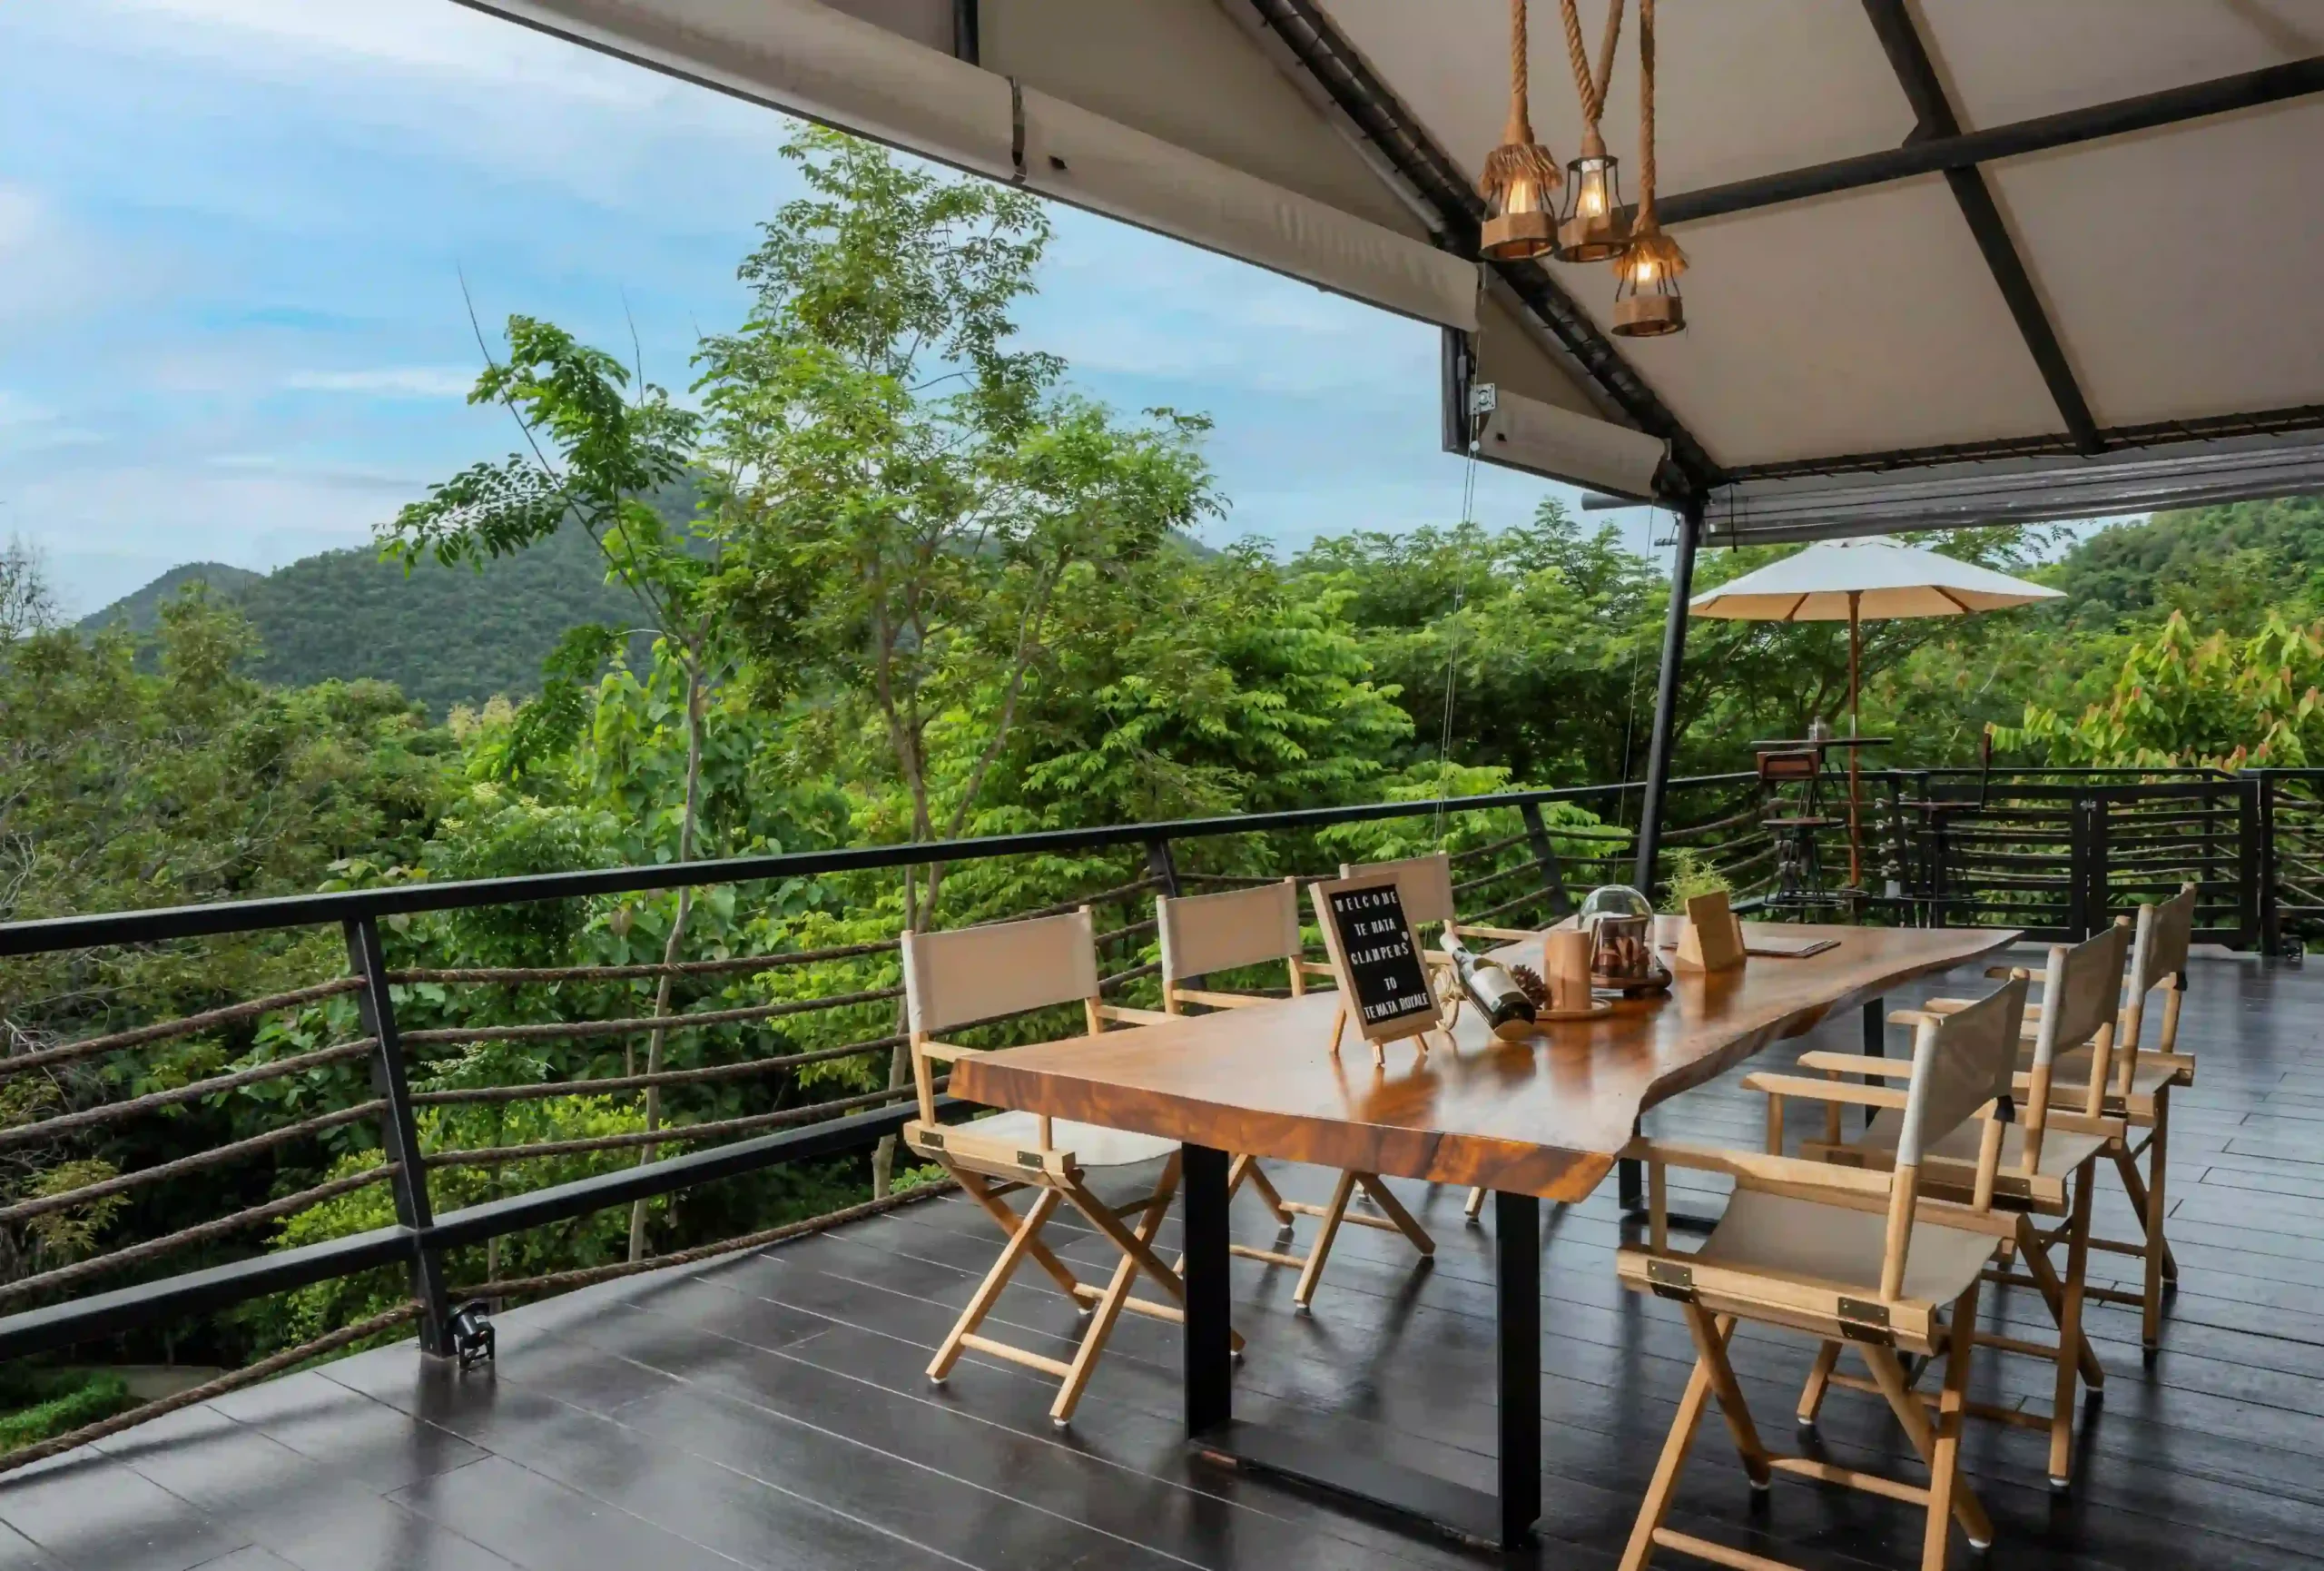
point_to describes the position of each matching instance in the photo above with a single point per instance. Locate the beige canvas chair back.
(972, 973)
(1961, 1061)
(1424, 881)
(1202, 934)
(2081, 991)
(2165, 932)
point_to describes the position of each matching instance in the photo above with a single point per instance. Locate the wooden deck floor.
(768, 1411)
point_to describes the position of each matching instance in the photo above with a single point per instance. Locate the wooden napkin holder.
(1713, 938)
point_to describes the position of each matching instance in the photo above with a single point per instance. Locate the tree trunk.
(671, 950)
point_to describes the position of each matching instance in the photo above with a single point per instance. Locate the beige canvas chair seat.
(1089, 1145)
(1844, 1249)
(1203, 935)
(2061, 1153)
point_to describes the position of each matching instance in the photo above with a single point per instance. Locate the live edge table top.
(1545, 1117)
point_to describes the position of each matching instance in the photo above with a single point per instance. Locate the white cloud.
(407, 382)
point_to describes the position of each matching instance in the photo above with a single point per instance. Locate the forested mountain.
(444, 635)
(2194, 557)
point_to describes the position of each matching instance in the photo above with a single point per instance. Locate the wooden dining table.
(1544, 1118)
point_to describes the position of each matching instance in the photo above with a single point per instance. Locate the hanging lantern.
(1592, 225)
(1520, 173)
(1645, 293)
(1646, 299)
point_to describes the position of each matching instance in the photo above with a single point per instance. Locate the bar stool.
(1207, 933)
(1792, 779)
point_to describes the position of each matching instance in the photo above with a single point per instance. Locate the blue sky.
(232, 234)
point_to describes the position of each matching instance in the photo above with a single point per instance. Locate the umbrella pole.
(1856, 729)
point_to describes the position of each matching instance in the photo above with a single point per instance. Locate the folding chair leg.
(979, 1192)
(1394, 1210)
(1889, 1376)
(1945, 1483)
(2072, 1346)
(1710, 1348)
(1248, 1169)
(1320, 1250)
(1656, 1504)
(2157, 1160)
(1819, 1380)
(2053, 1292)
(1475, 1208)
(1117, 1294)
(1021, 1242)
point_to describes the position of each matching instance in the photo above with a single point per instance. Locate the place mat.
(1786, 948)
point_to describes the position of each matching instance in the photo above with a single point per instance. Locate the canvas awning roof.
(1954, 262)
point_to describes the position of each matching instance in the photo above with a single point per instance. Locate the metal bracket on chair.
(1029, 1159)
(1865, 1322)
(930, 1139)
(1670, 1280)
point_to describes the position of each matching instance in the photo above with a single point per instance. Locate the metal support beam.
(2172, 106)
(399, 1134)
(1666, 698)
(1916, 74)
(967, 43)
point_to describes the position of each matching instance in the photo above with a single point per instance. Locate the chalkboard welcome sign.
(1383, 980)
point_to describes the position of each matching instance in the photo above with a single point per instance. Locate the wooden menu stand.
(1713, 938)
(1376, 963)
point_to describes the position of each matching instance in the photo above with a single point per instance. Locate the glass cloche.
(1621, 924)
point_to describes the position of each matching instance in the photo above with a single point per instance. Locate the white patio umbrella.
(1850, 580)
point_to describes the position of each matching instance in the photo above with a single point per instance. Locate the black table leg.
(1210, 1337)
(1875, 1037)
(1504, 1520)
(1517, 1287)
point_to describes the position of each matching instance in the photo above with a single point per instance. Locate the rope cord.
(1451, 651)
(1588, 85)
(165, 1031)
(106, 1112)
(216, 1156)
(289, 1205)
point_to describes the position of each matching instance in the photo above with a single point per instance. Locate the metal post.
(1665, 694)
(1208, 1339)
(2255, 846)
(398, 1132)
(1517, 1289)
(1545, 858)
(1160, 865)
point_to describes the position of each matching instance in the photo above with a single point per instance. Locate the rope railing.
(202, 1232)
(170, 1030)
(216, 1156)
(579, 1030)
(539, 1091)
(523, 975)
(194, 1090)
(668, 1134)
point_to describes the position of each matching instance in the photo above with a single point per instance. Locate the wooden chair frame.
(1268, 909)
(1972, 1053)
(2118, 1064)
(988, 1168)
(2082, 980)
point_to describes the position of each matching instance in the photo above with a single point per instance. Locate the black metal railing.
(387, 1047)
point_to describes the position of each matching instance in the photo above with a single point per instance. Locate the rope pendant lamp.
(1592, 226)
(1645, 297)
(1520, 173)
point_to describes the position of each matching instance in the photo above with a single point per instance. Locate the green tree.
(910, 492)
(592, 459)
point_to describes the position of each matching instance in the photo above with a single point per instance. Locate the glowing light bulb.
(1591, 203)
(1645, 270)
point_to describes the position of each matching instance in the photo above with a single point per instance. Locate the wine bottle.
(1492, 990)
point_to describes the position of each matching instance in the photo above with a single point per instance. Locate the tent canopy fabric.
(1878, 576)
(1952, 261)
